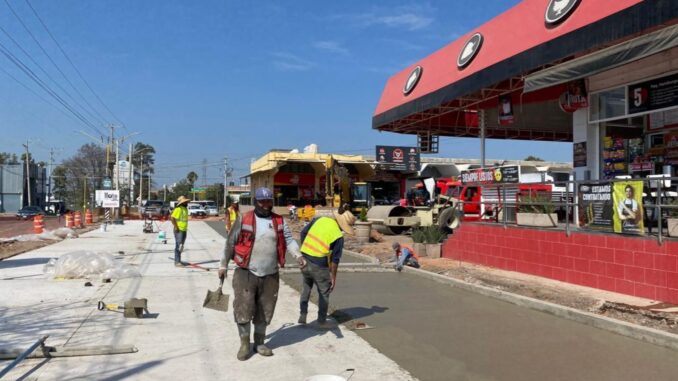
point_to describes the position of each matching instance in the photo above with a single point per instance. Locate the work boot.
(260, 347)
(244, 351)
(302, 319)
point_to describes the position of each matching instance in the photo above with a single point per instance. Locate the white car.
(196, 210)
(211, 210)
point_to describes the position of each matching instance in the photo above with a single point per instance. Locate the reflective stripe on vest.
(318, 240)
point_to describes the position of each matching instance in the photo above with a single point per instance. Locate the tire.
(445, 220)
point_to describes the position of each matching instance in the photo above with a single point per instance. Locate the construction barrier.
(38, 224)
(88, 217)
(69, 220)
(78, 220)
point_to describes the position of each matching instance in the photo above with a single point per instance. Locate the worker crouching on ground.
(179, 219)
(322, 245)
(405, 256)
(257, 243)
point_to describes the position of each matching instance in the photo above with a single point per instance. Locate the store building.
(13, 189)
(601, 75)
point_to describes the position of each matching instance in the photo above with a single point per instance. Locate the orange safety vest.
(414, 253)
(245, 241)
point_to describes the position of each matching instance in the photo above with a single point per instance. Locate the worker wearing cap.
(405, 256)
(322, 245)
(179, 219)
(232, 214)
(257, 243)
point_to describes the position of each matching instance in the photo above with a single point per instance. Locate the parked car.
(155, 209)
(29, 212)
(212, 210)
(195, 210)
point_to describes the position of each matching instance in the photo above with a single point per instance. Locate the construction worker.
(179, 219)
(322, 245)
(257, 243)
(232, 214)
(405, 256)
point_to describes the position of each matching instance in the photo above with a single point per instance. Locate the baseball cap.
(263, 193)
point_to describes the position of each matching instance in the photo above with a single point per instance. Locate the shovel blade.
(216, 300)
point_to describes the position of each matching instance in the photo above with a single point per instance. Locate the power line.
(73, 65)
(16, 61)
(16, 15)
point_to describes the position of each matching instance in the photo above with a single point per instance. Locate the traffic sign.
(107, 183)
(198, 189)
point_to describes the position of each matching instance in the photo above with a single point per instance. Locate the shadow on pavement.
(10, 263)
(345, 314)
(290, 334)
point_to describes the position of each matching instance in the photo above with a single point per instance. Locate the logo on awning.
(412, 80)
(559, 10)
(470, 50)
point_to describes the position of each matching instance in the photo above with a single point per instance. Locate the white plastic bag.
(85, 264)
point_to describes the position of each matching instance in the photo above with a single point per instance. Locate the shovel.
(216, 300)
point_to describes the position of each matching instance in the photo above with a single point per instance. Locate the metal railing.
(659, 202)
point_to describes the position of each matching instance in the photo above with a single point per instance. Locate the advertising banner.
(575, 97)
(107, 199)
(655, 94)
(503, 175)
(398, 158)
(627, 199)
(579, 154)
(505, 110)
(595, 206)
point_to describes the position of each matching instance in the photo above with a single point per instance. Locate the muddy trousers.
(254, 298)
(319, 276)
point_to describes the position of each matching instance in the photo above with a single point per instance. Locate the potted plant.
(672, 220)
(363, 227)
(428, 241)
(536, 210)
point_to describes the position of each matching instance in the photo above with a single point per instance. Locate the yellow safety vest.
(318, 240)
(180, 213)
(232, 215)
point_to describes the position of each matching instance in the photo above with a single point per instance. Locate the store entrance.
(625, 150)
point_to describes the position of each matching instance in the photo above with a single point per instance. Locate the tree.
(533, 158)
(143, 161)
(8, 158)
(215, 192)
(87, 168)
(192, 177)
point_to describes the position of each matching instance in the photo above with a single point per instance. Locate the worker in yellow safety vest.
(179, 220)
(322, 245)
(232, 213)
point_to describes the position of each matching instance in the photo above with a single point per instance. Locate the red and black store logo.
(470, 50)
(558, 10)
(398, 155)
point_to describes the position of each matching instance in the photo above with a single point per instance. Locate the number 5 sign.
(653, 95)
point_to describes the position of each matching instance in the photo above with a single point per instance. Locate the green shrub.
(538, 202)
(363, 215)
(428, 234)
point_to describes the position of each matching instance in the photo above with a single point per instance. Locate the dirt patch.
(11, 248)
(659, 316)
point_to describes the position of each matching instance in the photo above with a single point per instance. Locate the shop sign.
(579, 154)
(505, 110)
(398, 158)
(300, 179)
(641, 167)
(664, 119)
(559, 10)
(595, 206)
(502, 175)
(470, 50)
(107, 198)
(412, 80)
(575, 97)
(655, 94)
(627, 199)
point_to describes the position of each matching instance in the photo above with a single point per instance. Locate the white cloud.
(285, 61)
(405, 17)
(331, 46)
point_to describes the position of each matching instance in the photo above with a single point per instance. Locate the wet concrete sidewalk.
(439, 332)
(180, 339)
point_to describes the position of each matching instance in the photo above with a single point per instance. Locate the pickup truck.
(154, 209)
(196, 210)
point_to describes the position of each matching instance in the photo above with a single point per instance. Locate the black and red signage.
(502, 175)
(398, 158)
(655, 94)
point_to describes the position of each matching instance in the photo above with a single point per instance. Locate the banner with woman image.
(627, 198)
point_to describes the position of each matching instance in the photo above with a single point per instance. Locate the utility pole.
(149, 185)
(131, 177)
(225, 179)
(49, 183)
(28, 173)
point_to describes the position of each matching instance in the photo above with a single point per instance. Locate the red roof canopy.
(515, 43)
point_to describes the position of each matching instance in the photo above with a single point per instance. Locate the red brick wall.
(628, 265)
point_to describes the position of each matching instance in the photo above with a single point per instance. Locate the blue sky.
(205, 79)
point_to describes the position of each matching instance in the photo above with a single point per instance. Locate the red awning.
(515, 43)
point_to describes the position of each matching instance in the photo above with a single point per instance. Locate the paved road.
(438, 332)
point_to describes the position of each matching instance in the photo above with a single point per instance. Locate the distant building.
(13, 189)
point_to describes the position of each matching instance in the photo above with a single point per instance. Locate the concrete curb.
(623, 328)
(368, 258)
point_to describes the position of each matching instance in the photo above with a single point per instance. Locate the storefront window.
(607, 105)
